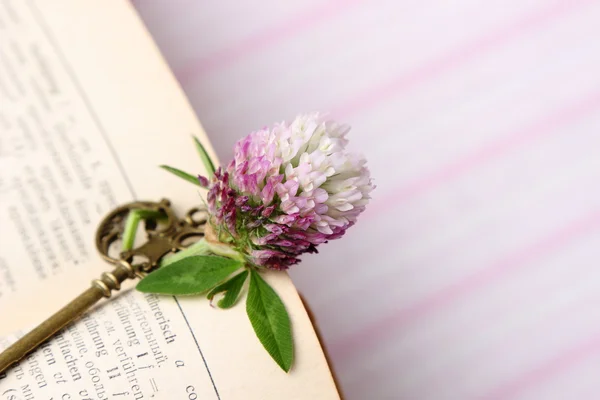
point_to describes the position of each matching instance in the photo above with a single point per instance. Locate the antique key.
(165, 236)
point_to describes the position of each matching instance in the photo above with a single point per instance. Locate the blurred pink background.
(474, 274)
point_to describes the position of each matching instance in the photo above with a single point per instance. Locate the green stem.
(200, 248)
(223, 250)
(132, 223)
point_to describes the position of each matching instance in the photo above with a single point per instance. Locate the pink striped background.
(473, 275)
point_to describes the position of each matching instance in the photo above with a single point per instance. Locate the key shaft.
(100, 288)
(164, 238)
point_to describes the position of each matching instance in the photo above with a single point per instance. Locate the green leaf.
(183, 175)
(191, 275)
(270, 321)
(231, 288)
(208, 164)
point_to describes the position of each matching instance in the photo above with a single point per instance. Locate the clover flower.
(287, 190)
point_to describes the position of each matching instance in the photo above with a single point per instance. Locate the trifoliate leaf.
(231, 288)
(183, 175)
(270, 321)
(191, 275)
(208, 164)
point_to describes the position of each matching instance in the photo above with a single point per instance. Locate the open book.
(88, 111)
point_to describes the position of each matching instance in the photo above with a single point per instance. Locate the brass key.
(165, 236)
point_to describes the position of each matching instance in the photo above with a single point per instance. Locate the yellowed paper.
(88, 111)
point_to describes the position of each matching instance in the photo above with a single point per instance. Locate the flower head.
(287, 190)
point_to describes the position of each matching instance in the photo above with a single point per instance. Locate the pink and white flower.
(287, 190)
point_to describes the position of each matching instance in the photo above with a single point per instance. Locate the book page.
(88, 112)
(87, 117)
(147, 346)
